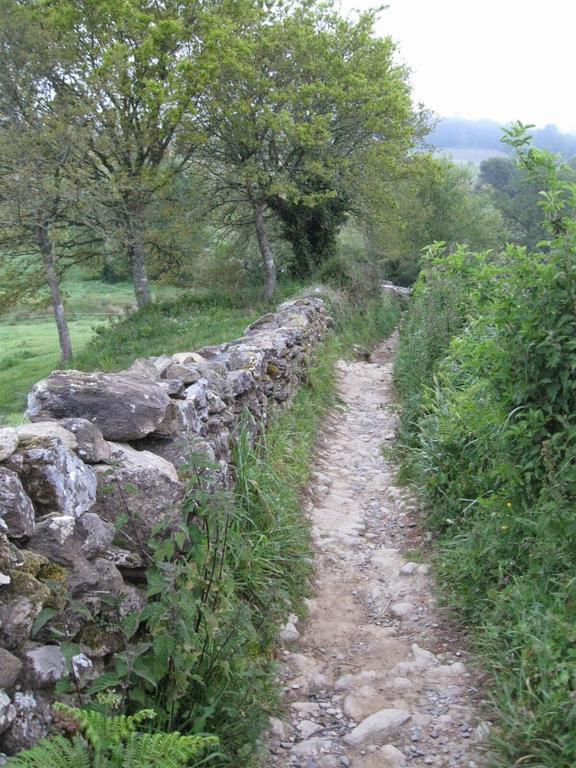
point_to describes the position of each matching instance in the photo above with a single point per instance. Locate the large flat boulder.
(124, 406)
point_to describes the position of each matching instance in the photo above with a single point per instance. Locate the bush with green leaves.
(493, 448)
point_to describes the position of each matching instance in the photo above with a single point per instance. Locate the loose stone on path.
(376, 676)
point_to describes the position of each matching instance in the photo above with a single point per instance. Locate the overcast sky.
(498, 59)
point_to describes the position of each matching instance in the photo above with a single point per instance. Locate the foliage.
(434, 201)
(301, 102)
(517, 196)
(493, 446)
(97, 740)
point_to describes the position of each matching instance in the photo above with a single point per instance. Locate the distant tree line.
(487, 134)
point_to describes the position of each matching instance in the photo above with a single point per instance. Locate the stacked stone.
(109, 446)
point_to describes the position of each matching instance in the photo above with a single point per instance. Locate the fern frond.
(103, 731)
(164, 750)
(56, 752)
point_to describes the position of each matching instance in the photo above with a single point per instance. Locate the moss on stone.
(33, 562)
(52, 572)
(25, 585)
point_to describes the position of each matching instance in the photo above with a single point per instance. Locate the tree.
(40, 137)
(296, 108)
(434, 201)
(517, 195)
(138, 73)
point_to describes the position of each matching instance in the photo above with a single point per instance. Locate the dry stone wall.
(103, 444)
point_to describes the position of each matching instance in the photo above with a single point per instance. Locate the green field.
(28, 351)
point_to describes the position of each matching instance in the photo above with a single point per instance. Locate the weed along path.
(375, 677)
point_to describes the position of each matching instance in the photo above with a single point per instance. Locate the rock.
(400, 683)
(380, 725)
(21, 603)
(311, 747)
(401, 610)
(173, 388)
(57, 538)
(124, 406)
(408, 569)
(10, 668)
(123, 558)
(46, 429)
(449, 671)
(83, 669)
(423, 658)
(53, 477)
(91, 446)
(30, 724)
(289, 633)
(142, 486)
(16, 510)
(241, 381)
(307, 728)
(44, 666)
(395, 758)
(280, 729)
(96, 535)
(307, 707)
(362, 702)
(8, 442)
(7, 712)
(346, 682)
(144, 366)
(185, 373)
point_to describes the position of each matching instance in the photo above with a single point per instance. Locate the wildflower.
(504, 527)
(509, 504)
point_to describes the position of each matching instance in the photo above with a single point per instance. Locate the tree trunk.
(139, 274)
(265, 250)
(136, 255)
(47, 250)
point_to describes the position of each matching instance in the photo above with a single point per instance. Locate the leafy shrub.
(493, 447)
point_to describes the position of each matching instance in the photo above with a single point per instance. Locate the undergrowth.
(489, 436)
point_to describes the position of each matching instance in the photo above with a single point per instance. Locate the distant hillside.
(466, 155)
(456, 133)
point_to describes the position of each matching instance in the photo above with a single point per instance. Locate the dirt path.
(375, 677)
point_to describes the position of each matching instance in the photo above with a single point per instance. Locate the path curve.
(376, 676)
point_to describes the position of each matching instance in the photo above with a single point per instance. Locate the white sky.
(497, 59)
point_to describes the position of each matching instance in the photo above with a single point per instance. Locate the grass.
(489, 439)
(29, 351)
